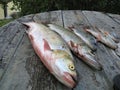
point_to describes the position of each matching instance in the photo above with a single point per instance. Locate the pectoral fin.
(46, 45)
(99, 37)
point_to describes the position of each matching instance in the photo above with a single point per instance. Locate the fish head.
(86, 54)
(64, 69)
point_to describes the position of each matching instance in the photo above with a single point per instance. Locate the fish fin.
(73, 46)
(71, 43)
(31, 37)
(80, 51)
(46, 45)
(102, 31)
(99, 37)
(106, 33)
(28, 25)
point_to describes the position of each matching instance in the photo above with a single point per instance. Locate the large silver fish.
(53, 52)
(103, 37)
(77, 45)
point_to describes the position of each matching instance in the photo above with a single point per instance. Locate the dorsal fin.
(99, 37)
(46, 45)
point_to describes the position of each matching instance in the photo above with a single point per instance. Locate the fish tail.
(28, 25)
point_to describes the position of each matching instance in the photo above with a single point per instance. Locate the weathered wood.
(14, 74)
(114, 17)
(21, 69)
(7, 36)
(27, 18)
(49, 17)
(106, 56)
(8, 48)
(10, 37)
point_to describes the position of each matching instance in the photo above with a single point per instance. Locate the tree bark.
(5, 10)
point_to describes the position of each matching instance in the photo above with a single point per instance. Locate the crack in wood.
(11, 59)
(112, 18)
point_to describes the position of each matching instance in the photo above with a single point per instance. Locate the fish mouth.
(92, 62)
(89, 58)
(28, 26)
(70, 80)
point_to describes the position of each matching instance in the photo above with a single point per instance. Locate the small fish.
(113, 36)
(90, 41)
(53, 52)
(103, 37)
(77, 45)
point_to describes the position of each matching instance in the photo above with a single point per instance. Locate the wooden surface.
(21, 69)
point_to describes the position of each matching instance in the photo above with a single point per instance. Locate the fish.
(90, 41)
(103, 37)
(53, 52)
(111, 35)
(77, 46)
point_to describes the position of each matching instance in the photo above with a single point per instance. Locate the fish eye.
(71, 67)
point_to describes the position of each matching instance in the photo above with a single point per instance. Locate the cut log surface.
(21, 68)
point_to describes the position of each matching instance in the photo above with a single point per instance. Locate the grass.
(5, 21)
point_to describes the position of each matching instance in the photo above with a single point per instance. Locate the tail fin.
(28, 25)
